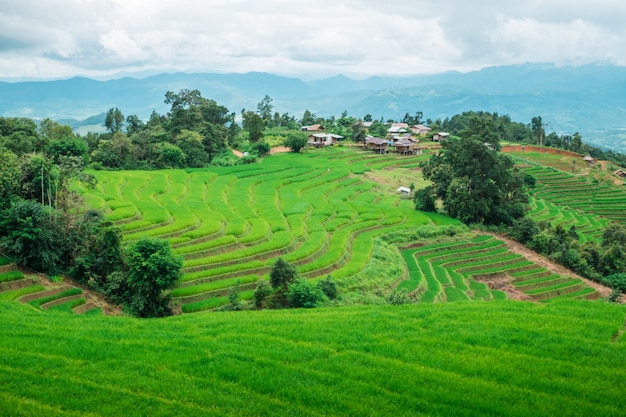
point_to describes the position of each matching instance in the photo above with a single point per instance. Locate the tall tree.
(477, 183)
(114, 120)
(254, 124)
(536, 126)
(264, 109)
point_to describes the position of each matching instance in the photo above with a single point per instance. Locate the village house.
(397, 128)
(620, 173)
(589, 160)
(319, 140)
(378, 145)
(312, 128)
(440, 136)
(420, 129)
(407, 147)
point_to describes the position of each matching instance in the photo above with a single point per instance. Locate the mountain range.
(588, 99)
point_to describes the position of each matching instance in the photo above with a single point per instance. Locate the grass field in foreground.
(501, 358)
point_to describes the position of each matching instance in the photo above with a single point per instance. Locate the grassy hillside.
(326, 212)
(463, 359)
(322, 211)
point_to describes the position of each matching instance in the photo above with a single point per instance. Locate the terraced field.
(580, 194)
(316, 210)
(483, 268)
(42, 293)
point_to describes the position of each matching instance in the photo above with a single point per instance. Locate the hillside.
(463, 359)
(336, 211)
(587, 99)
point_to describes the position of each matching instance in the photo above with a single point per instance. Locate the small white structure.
(404, 191)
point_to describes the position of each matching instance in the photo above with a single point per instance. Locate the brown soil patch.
(504, 283)
(531, 148)
(279, 149)
(237, 153)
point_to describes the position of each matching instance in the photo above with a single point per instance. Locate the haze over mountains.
(589, 99)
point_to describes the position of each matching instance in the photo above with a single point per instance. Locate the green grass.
(234, 222)
(15, 294)
(451, 270)
(11, 276)
(461, 359)
(67, 293)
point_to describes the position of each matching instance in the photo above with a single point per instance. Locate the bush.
(296, 141)
(303, 294)
(329, 288)
(262, 291)
(615, 281)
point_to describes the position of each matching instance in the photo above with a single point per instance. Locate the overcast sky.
(317, 38)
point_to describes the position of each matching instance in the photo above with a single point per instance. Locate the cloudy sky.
(317, 38)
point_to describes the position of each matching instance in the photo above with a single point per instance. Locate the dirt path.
(274, 150)
(555, 268)
(279, 149)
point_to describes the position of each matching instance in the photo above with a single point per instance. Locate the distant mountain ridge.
(589, 99)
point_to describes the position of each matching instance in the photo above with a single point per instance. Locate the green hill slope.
(463, 359)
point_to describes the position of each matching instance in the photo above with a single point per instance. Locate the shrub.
(303, 294)
(262, 291)
(329, 288)
(616, 281)
(296, 141)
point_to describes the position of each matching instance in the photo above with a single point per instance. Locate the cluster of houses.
(401, 138)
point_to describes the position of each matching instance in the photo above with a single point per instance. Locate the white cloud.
(319, 37)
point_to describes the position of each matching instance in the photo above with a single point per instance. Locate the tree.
(134, 125)
(536, 126)
(10, 177)
(191, 144)
(296, 141)
(30, 233)
(67, 147)
(254, 124)
(308, 118)
(358, 132)
(413, 120)
(152, 269)
(168, 156)
(282, 274)
(264, 109)
(424, 199)
(476, 183)
(114, 120)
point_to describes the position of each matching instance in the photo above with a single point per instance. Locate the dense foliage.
(476, 183)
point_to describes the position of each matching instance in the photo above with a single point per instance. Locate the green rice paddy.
(502, 358)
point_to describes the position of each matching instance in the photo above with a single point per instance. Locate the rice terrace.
(492, 330)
